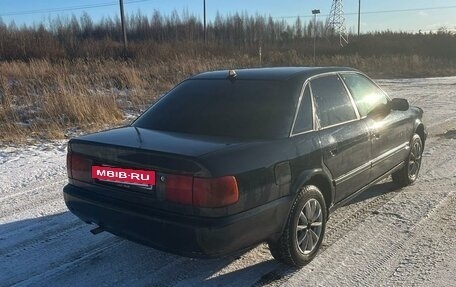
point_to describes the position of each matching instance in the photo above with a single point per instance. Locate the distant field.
(42, 99)
(73, 75)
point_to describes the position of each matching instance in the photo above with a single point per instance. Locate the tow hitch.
(97, 230)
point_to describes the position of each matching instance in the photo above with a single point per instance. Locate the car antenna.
(232, 74)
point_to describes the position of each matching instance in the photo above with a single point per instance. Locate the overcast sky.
(379, 15)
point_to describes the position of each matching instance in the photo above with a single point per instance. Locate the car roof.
(278, 74)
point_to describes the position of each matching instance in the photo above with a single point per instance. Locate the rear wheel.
(408, 174)
(304, 230)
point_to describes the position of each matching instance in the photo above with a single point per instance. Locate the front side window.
(332, 101)
(366, 94)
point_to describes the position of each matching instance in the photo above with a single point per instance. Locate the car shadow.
(59, 250)
(38, 247)
(376, 190)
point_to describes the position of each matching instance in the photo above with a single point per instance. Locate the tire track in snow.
(9, 247)
(395, 244)
(67, 264)
(48, 255)
(428, 247)
(25, 202)
(32, 190)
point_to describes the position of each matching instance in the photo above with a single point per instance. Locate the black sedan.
(230, 159)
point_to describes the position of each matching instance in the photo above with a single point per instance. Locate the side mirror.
(399, 104)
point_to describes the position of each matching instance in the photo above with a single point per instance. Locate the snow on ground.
(386, 237)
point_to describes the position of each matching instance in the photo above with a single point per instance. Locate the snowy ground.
(385, 237)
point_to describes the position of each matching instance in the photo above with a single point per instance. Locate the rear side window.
(367, 96)
(304, 118)
(332, 101)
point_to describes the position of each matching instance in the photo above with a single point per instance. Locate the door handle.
(375, 135)
(332, 150)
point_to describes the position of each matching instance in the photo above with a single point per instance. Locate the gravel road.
(385, 237)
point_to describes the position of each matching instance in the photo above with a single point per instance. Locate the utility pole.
(205, 28)
(359, 16)
(315, 12)
(260, 54)
(124, 27)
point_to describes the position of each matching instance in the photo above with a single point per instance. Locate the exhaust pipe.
(97, 230)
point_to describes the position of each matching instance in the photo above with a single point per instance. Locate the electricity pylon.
(336, 22)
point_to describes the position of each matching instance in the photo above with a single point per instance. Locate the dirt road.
(386, 237)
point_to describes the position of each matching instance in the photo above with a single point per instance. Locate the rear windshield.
(228, 108)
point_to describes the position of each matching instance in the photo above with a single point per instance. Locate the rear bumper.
(184, 235)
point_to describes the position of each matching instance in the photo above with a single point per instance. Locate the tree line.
(76, 37)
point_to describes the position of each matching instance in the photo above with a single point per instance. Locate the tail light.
(188, 190)
(202, 192)
(179, 189)
(215, 192)
(79, 167)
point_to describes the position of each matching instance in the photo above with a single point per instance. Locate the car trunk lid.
(168, 155)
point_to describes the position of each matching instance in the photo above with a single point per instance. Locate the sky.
(378, 15)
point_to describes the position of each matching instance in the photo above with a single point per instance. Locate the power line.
(70, 8)
(373, 12)
(404, 10)
(107, 4)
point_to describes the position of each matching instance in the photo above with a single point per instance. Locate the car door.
(388, 132)
(344, 139)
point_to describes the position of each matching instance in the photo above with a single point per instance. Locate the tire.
(304, 230)
(408, 174)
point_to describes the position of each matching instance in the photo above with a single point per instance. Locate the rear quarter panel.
(253, 165)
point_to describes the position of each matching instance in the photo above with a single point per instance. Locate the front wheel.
(408, 174)
(304, 230)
